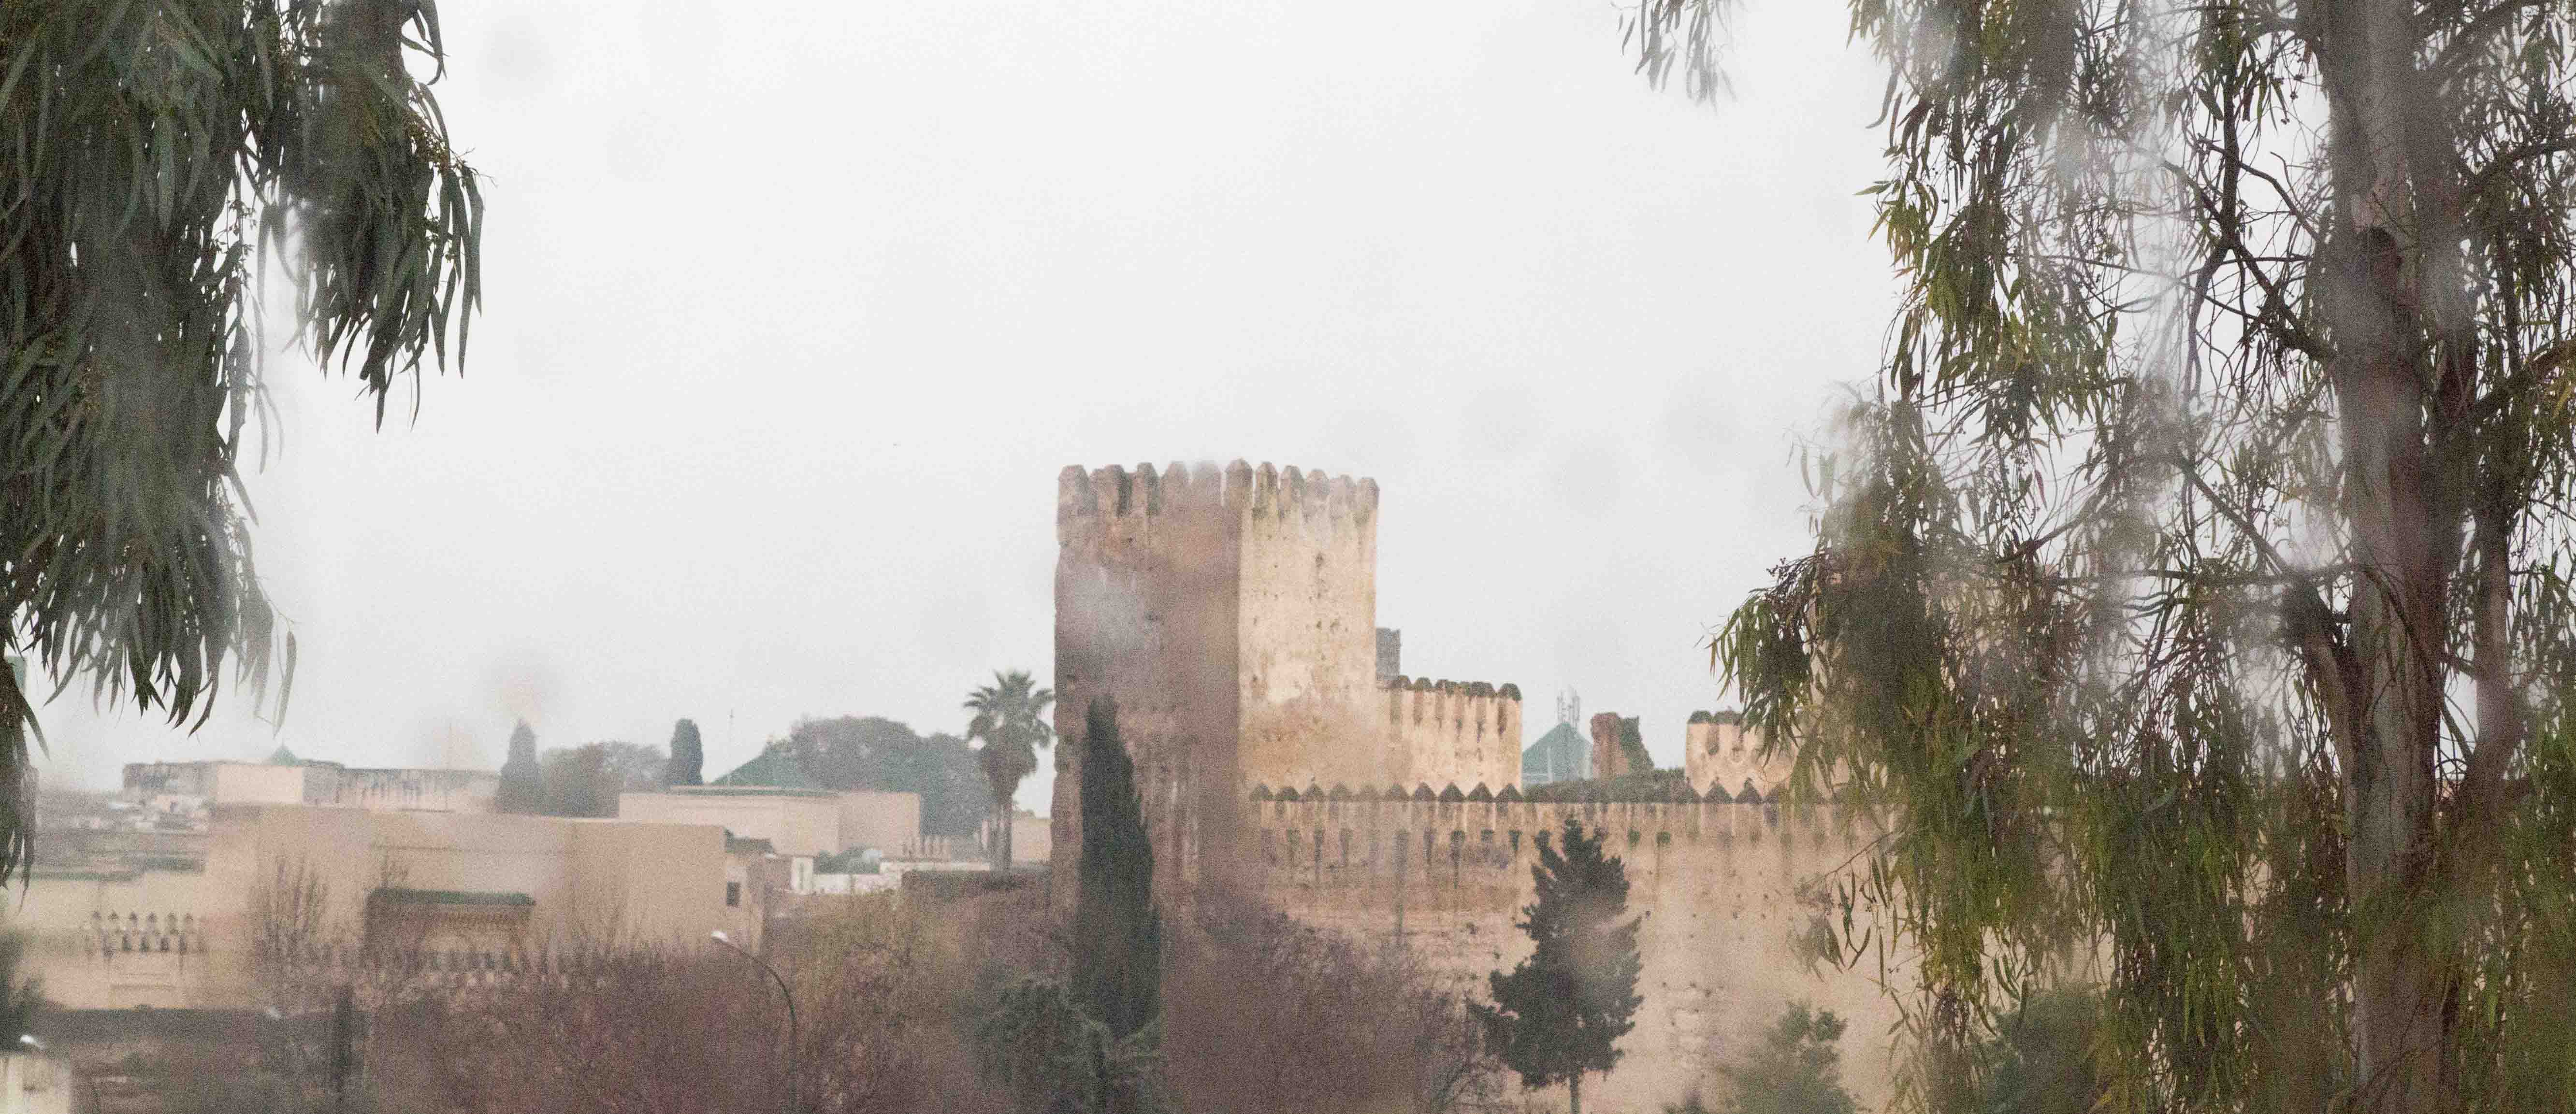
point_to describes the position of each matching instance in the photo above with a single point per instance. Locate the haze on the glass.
(793, 316)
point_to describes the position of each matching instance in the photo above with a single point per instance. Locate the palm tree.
(1010, 718)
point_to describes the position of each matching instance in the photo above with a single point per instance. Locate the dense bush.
(1264, 1013)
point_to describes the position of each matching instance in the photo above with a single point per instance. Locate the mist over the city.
(791, 318)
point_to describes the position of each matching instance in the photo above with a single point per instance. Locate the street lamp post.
(794, 1091)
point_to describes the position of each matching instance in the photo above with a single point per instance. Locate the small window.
(733, 895)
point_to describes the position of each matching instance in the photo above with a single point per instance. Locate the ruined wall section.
(1727, 890)
(1448, 732)
(1308, 638)
(1147, 589)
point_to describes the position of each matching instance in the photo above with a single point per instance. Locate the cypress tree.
(1560, 1014)
(1118, 971)
(523, 784)
(688, 755)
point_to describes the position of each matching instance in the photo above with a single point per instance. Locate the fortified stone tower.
(1232, 616)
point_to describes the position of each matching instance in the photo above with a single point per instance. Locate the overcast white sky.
(795, 309)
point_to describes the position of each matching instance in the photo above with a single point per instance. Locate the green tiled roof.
(1563, 754)
(774, 769)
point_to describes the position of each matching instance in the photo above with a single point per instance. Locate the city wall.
(1232, 615)
(1731, 894)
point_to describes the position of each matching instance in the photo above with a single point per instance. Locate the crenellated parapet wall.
(1314, 500)
(1466, 732)
(1451, 838)
(1721, 755)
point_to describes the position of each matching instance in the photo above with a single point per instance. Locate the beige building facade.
(472, 891)
(796, 822)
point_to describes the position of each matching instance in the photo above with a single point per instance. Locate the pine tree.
(1560, 1014)
(688, 755)
(1118, 969)
(523, 784)
(1796, 1069)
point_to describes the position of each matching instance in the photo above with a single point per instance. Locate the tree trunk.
(1574, 1094)
(2386, 673)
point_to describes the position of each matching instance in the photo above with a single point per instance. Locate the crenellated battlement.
(1264, 492)
(1721, 756)
(1467, 731)
(1633, 791)
(1506, 690)
(1371, 837)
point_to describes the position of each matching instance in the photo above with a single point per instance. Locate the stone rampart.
(1232, 615)
(1731, 894)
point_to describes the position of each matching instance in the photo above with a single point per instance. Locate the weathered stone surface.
(1232, 615)
(1724, 888)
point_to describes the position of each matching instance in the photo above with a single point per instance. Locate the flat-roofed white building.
(796, 822)
(174, 786)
